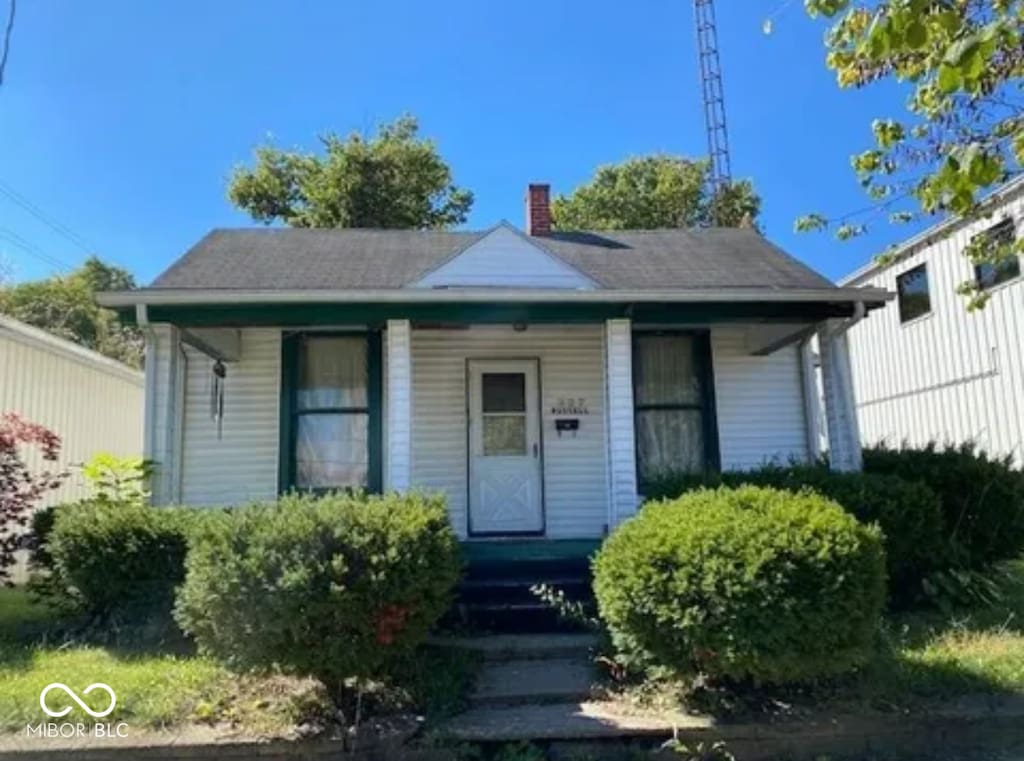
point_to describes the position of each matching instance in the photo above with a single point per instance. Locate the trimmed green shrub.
(747, 583)
(335, 587)
(982, 498)
(120, 562)
(908, 513)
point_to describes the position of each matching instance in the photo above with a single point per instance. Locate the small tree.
(20, 488)
(121, 480)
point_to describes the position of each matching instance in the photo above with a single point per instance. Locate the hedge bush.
(120, 561)
(908, 513)
(747, 583)
(335, 587)
(981, 498)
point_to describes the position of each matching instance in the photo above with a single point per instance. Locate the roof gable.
(505, 258)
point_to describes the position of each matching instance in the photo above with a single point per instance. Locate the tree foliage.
(654, 192)
(963, 61)
(392, 180)
(22, 487)
(65, 305)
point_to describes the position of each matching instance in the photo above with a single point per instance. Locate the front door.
(505, 491)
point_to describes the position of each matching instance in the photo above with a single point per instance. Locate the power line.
(7, 40)
(54, 224)
(33, 250)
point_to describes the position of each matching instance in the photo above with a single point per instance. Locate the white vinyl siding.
(952, 375)
(571, 367)
(759, 401)
(241, 465)
(486, 264)
(93, 403)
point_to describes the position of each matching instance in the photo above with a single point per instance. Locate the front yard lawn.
(161, 688)
(934, 655)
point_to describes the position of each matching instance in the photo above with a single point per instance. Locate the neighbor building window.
(989, 274)
(672, 399)
(912, 293)
(330, 400)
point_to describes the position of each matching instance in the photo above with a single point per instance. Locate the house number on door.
(570, 406)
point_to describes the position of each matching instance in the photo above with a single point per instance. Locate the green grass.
(161, 688)
(933, 655)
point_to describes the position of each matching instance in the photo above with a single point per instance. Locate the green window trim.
(289, 412)
(705, 405)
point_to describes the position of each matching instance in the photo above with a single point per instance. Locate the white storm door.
(504, 447)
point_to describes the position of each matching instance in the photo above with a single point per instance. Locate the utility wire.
(7, 39)
(54, 224)
(33, 250)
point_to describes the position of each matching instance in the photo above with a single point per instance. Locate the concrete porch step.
(506, 647)
(532, 680)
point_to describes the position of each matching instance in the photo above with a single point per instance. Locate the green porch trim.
(375, 396)
(704, 368)
(709, 411)
(375, 393)
(482, 552)
(375, 314)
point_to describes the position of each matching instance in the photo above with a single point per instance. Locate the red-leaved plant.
(21, 489)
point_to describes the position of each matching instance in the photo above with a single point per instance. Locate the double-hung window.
(673, 404)
(330, 408)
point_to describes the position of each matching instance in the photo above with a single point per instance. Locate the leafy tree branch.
(963, 132)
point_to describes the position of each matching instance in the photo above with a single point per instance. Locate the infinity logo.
(71, 694)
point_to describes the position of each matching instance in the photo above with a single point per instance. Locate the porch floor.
(488, 552)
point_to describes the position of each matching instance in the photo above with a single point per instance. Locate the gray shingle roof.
(297, 259)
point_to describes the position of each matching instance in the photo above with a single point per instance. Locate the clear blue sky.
(122, 119)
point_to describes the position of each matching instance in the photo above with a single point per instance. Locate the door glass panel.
(669, 441)
(664, 371)
(332, 372)
(331, 451)
(503, 392)
(504, 435)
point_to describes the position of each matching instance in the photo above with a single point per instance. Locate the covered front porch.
(536, 420)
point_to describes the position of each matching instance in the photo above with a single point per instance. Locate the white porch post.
(399, 389)
(840, 406)
(162, 412)
(621, 434)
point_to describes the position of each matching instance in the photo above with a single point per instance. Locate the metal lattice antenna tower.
(711, 87)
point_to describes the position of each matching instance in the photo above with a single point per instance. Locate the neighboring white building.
(534, 378)
(924, 368)
(92, 402)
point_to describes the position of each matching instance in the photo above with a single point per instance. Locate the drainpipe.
(831, 332)
(149, 410)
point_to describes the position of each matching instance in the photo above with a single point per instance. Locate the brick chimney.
(538, 209)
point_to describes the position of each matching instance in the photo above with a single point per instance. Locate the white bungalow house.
(537, 379)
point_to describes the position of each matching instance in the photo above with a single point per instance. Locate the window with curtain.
(670, 403)
(331, 413)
